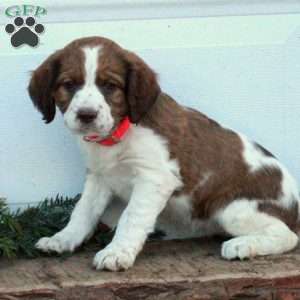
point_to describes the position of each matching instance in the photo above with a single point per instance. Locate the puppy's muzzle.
(86, 115)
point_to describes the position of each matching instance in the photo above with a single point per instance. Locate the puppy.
(170, 166)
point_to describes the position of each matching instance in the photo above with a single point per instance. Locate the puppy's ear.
(142, 87)
(41, 86)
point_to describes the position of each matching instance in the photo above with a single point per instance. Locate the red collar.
(114, 138)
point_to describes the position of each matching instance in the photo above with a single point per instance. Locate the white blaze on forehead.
(91, 64)
(90, 97)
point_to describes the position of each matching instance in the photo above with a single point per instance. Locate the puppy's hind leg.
(254, 232)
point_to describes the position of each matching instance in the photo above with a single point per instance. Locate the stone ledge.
(170, 270)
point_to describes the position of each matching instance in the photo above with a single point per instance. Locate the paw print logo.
(24, 33)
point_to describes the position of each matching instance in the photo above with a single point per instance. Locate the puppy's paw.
(239, 247)
(114, 259)
(60, 242)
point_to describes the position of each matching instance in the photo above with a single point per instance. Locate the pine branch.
(19, 231)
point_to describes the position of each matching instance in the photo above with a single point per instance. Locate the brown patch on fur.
(42, 84)
(71, 71)
(142, 88)
(287, 215)
(212, 167)
(111, 80)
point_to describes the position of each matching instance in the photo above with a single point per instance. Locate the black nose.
(87, 115)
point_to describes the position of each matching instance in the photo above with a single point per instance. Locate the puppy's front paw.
(60, 242)
(114, 259)
(239, 247)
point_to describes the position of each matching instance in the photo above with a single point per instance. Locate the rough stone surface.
(189, 270)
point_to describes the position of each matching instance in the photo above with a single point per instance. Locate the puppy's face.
(95, 84)
(90, 90)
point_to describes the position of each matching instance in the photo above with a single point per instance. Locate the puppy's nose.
(86, 115)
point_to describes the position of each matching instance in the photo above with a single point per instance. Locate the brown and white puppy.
(174, 168)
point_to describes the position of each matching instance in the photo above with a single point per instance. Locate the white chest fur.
(119, 165)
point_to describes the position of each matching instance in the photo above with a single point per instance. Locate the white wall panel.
(243, 71)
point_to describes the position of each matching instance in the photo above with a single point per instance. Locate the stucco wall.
(243, 71)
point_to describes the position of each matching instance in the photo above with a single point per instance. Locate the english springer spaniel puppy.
(152, 162)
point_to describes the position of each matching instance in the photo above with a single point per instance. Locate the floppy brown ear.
(41, 86)
(142, 87)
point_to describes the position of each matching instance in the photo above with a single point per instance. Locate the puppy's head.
(95, 84)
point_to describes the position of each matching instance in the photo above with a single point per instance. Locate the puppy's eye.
(69, 85)
(108, 87)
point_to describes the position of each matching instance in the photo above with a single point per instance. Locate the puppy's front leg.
(84, 218)
(138, 220)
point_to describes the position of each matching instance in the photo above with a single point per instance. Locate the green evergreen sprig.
(20, 230)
